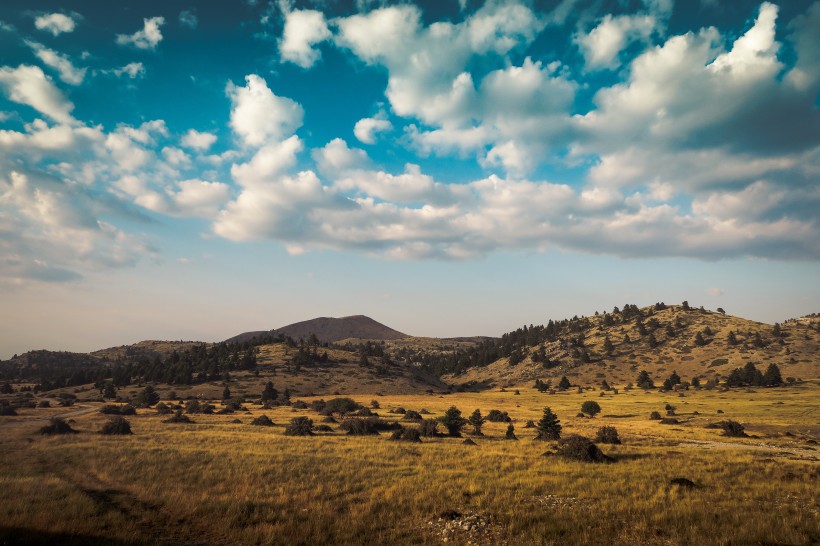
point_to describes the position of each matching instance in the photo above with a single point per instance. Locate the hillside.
(659, 339)
(330, 330)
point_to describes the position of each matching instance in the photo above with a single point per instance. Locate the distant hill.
(330, 330)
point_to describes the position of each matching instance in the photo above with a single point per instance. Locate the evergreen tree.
(731, 339)
(548, 427)
(269, 394)
(608, 346)
(110, 391)
(148, 396)
(626, 339)
(674, 379)
(751, 375)
(699, 341)
(644, 381)
(476, 421)
(652, 341)
(564, 384)
(510, 435)
(453, 421)
(772, 376)
(226, 393)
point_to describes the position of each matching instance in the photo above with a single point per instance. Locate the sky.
(192, 170)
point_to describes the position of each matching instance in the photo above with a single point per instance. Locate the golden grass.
(214, 482)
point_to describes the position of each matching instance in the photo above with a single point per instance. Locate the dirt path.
(43, 420)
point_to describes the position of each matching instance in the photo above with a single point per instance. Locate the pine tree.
(226, 393)
(510, 435)
(608, 346)
(731, 339)
(564, 384)
(269, 393)
(110, 391)
(476, 421)
(644, 381)
(549, 427)
(453, 421)
(772, 377)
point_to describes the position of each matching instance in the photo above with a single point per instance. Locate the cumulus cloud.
(61, 63)
(55, 23)
(147, 38)
(198, 140)
(132, 70)
(601, 45)
(304, 29)
(367, 129)
(30, 86)
(258, 115)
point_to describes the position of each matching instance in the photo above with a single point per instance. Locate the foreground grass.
(217, 482)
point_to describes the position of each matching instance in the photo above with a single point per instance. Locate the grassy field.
(218, 482)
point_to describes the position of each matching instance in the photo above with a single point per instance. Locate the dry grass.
(215, 482)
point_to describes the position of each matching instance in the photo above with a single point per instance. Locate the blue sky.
(192, 170)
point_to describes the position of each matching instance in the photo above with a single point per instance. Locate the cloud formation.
(55, 23)
(148, 38)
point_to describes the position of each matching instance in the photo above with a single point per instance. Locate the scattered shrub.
(655, 416)
(669, 421)
(510, 434)
(44, 404)
(578, 448)
(400, 411)
(733, 429)
(57, 425)
(497, 416)
(195, 406)
(341, 406)
(6, 410)
(179, 417)
(607, 435)
(163, 409)
(429, 428)
(299, 404)
(318, 406)
(262, 421)
(116, 425)
(408, 434)
(299, 426)
(363, 426)
(113, 409)
(530, 424)
(322, 428)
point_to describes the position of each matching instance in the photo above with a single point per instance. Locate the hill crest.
(331, 329)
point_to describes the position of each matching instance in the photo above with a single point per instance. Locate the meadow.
(220, 482)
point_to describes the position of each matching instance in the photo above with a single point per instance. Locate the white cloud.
(200, 198)
(198, 141)
(366, 129)
(66, 70)
(268, 163)
(176, 157)
(188, 18)
(715, 292)
(258, 115)
(28, 85)
(55, 23)
(132, 70)
(335, 159)
(602, 44)
(147, 38)
(304, 29)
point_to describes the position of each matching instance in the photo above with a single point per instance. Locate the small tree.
(607, 435)
(269, 393)
(109, 391)
(476, 421)
(453, 421)
(564, 384)
(116, 425)
(148, 396)
(226, 393)
(429, 428)
(772, 377)
(549, 427)
(591, 408)
(510, 435)
(644, 381)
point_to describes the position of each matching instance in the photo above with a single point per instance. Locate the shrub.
(163, 409)
(364, 412)
(116, 425)
(318, 406)
(299, 404)
(733, 429)
(374, 404)
(591, 408)
(669, 421)
(549, 427)
(578, 448)
(148, 396)
(510, 435)
(530, 424)
(429, 428)
(341, 406)
(322, 428)
(607, 435)
(408, 434)
(57, 425)
(411, 415)
(400, 411)
(476, 421)
(262, 421)
(6, 410)
(655, 416)
(497, 416)
(299, 426)
(359, 426)
(178, 417)
(44, 404)
(195, 406)
(113, 409)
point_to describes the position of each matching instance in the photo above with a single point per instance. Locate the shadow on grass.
(629, 456)
(29, 537)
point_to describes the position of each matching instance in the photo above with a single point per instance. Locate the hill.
(330, 330)
(614, 347)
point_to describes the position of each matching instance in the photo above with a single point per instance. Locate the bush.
(733, 429)
(408, 434)
(116, 425)
(299, 404)
(429, 428)
(591, 408)
(262, 421)
(669, 421)
(578, 448)
(341, 406)
(497, 416)
(44, 404)
(400, 411)
(113, 409)
(6, 410)
(299, 426)
(607, 435)
(453, 421)
(322, 428)
(411, 415)
(179, 417)
(57, 425)
(510, 435)
(148, 396)
(163, 409)
(655, 416)
(318, 406)
(195, 406)
(364, 426)
(530, 424)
